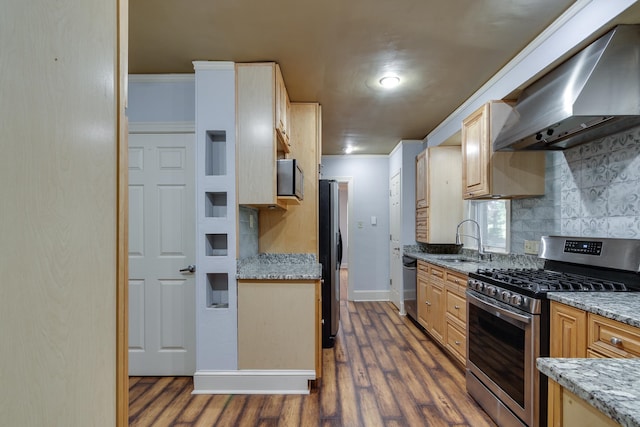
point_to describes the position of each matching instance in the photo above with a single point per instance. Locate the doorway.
(161, 254)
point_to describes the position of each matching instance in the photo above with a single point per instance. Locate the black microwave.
(290, 178)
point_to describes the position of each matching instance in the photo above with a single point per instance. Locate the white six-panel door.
(161, 243)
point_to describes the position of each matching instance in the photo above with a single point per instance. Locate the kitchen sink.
(457, 259)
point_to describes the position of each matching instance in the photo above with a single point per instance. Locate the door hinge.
(391, 282)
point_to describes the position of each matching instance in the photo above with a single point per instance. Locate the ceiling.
(334, 52)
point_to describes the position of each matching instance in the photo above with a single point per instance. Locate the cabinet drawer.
(435, 272)
(456, 306)
(457, 281)
(610, 337)
(456, 342)
(423, 268)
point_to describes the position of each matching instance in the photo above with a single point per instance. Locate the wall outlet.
(531, 247)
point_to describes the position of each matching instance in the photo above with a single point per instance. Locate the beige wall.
(57, 213)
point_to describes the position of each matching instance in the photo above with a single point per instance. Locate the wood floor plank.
(170, 392)
(229, 416)
(150, 395)
(415, 384)
(212, 411)
(329, 395)
(175, 406)
(399, 377)
(348, 402)
(412, 415)
(388, 406)
(370, 409)
(272, 406)
(194, 408)
(291, 411)
(250, 414)
(310, 410)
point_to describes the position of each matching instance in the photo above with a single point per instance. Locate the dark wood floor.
(383, 371)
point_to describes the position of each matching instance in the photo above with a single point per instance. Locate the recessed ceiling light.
(390, 81)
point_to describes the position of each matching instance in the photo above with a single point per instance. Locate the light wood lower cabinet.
(442, 307)
(571, 411)
(576, 333)
(568, 336)
(279, 325)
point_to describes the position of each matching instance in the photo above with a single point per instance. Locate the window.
(494, 217)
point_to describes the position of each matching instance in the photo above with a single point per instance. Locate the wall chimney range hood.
(594, 94)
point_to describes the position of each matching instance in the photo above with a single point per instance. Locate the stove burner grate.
(538, 280)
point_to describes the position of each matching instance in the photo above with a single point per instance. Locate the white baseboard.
(253, 382)
(370, 295)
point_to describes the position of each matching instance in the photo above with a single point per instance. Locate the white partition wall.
(216, 295)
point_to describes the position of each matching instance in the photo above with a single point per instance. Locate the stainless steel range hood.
(593, 94)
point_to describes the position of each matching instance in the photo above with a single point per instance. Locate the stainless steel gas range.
(508, 319)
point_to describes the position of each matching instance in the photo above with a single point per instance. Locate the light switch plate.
(531, 247)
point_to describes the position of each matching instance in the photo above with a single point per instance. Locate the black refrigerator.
(330, 246)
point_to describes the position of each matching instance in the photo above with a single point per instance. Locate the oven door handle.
(498, 311)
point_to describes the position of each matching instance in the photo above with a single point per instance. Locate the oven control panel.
(583, 247)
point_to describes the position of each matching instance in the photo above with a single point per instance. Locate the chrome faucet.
(481, 252)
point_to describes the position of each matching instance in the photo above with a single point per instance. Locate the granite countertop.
(610, 385)
(471, 262)
(279, 267)
(621, 306)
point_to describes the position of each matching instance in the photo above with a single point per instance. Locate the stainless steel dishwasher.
(409, 288)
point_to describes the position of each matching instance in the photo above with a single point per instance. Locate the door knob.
(190, 268)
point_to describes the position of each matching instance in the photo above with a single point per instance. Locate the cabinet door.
(422, 294)
(475, 153)
(568, 331)
(282, 110)
(421, 180)
(435, 313)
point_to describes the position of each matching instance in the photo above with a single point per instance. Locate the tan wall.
(57, 213)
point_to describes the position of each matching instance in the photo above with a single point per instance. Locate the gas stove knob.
(505, 296)
(516, 299)
(491, 290)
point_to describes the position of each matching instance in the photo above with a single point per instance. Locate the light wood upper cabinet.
(259, 89)
(438, 194)
(502, 174)
(283, 108)
(421, 180)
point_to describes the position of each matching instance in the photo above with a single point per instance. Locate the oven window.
(497, 348)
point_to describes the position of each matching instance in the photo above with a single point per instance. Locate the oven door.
(501, 352)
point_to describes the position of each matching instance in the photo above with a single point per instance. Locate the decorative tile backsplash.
(592, 190)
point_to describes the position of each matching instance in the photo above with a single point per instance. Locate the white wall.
(162, 98)
(58, 213)
(368, 244)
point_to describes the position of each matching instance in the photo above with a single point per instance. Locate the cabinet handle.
(615, 341)
(457, 342)
(427, 302)
(457, 307)
(457, 282)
